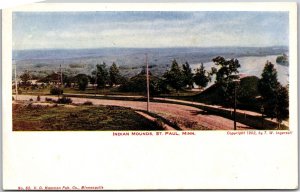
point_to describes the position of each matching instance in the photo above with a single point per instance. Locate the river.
(254, 65)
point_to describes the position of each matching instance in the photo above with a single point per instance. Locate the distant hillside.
(130, 60)
(131, 55)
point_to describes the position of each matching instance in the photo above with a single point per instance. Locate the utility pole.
(234, 117)
(58, 76)
(262, 116)
(95, 83)
(16, 82)
(147, 74)
(59, 80)
(236, 81)
(61, 75)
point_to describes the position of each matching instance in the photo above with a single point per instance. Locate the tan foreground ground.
(188, 118)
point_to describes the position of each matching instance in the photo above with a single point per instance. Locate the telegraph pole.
(95, 83)
(236, 81)
(147, 74)
(234, 117)
(61, 75)
(16, 82)
(262, 109)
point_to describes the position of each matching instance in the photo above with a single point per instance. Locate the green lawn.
(106, 91)
(78, 118)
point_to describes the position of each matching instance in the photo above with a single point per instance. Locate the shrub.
(13, 98)
(73, 115)
(159, 123)
(48, 99)
(38, 98)
(82, 81)
(56, 91)
(64, 100)
(30, 99)
(88, 103)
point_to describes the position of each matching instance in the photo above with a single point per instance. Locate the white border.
(253, 6)
(210, 160)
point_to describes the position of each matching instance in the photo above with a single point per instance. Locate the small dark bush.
(64, 100)
(159, 123)
(13, 98)
(88, 103)
(56, 91)
(30, 99)
(48, 99)
(73, 115)
(38, 98)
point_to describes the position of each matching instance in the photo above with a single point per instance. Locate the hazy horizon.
(208, 47)
(189, 53)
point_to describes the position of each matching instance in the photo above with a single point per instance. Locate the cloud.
(151, 29)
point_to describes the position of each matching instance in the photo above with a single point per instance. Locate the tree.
(101, 75)
(67, 80)
(187, 75)
(114, 74)
(56, 78)
(201, 77)
(282, 104)
(275, 97)
(248, 90)
(82, 81)
(92, 79)
(174, 76)
(25, 77)
(144, 71)
(228, 69)
(138, 84)
(267, 87)
(227, 72)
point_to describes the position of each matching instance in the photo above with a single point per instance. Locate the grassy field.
(107, 91)
(78, 118)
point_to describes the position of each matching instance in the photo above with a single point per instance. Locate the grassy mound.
(247, 94)
(78, 118)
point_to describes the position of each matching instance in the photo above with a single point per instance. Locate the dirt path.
(245, 112)
(188, 118)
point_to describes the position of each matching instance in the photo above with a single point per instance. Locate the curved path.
(245, 112)
(187, 117)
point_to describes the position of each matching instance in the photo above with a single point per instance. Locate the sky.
(76, 30)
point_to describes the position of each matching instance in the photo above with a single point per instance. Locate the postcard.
(145, 96)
